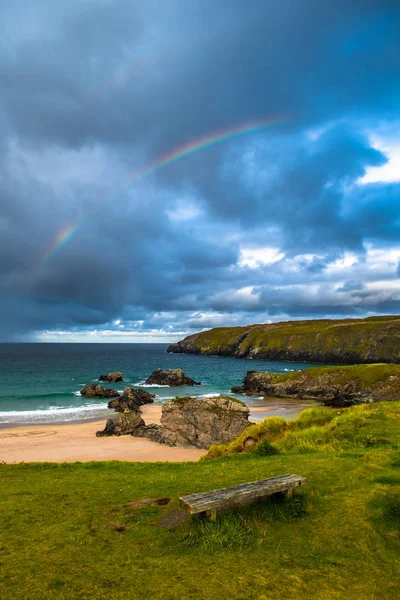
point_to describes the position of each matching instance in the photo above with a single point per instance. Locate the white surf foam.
(52, 413)
(150, 385)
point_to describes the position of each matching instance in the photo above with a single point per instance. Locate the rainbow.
(68, 231)
(59, 240)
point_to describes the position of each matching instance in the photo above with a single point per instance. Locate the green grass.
(67, 531)
(320, 429)
(368, 375)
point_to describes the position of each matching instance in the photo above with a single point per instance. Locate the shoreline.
(77, 442)
(275, 405)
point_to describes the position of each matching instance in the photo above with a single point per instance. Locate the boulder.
(254, 383)
(171, 377)
(199, 423)
(131, 399)
(123, 424)
(94, 390)
(112, 377)
(153, 432)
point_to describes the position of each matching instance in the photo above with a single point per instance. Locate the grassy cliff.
(86, 531)
(371, 340)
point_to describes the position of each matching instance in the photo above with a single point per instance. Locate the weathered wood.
(215, 501)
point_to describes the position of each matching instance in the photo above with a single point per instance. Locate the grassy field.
(69, 531)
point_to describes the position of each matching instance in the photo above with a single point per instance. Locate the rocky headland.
(333, 386)
(345, 341)
(171, 377)
(187, 422)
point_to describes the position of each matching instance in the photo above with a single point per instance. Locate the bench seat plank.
(239, 495)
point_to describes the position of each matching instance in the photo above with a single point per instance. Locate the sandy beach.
(78, 442)
(73, 442)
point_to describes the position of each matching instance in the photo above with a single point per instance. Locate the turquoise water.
(41, 383)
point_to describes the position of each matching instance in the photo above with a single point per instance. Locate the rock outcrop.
(131, 399)
(254, 383)
(334, 386)
(171, 377)
(199, 423)
(123, 424)
(345, 341)
(186, 422)
(112, 377)
(94, 390)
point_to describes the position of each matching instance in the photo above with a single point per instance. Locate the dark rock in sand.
(97, 391)
(112, 377)
(123, 424)
(153, 432)
(171, 377)
(199, 423)
(131, 399)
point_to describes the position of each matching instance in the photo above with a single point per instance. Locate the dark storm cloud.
(91, 91)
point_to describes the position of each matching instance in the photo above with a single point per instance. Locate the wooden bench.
(209, 503)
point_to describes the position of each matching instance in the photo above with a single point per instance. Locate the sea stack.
(171, 377)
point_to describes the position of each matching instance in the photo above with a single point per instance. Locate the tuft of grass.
(245, 528)
(392, 508)
(265, 448)
(395, 461)
(270, 429)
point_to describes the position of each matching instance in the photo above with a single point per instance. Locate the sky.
(168, 166)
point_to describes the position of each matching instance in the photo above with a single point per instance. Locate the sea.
(41, 383)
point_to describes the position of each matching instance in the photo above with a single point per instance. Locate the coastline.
(77, 441)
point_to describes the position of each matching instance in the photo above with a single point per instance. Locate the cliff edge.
(344, 341)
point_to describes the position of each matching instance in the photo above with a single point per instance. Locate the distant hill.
(345, 341)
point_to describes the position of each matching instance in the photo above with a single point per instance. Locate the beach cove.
(71, 442)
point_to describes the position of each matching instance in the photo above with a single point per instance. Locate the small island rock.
(171, 377)
(131, 399)
(112, 377)
(94, 390)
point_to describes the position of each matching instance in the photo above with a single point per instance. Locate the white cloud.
(344, 262)
(391, 170)
(109, 336)
(184, 210)
(256, 257)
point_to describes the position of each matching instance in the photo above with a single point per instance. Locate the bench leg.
(289, 494)
(213, 515)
